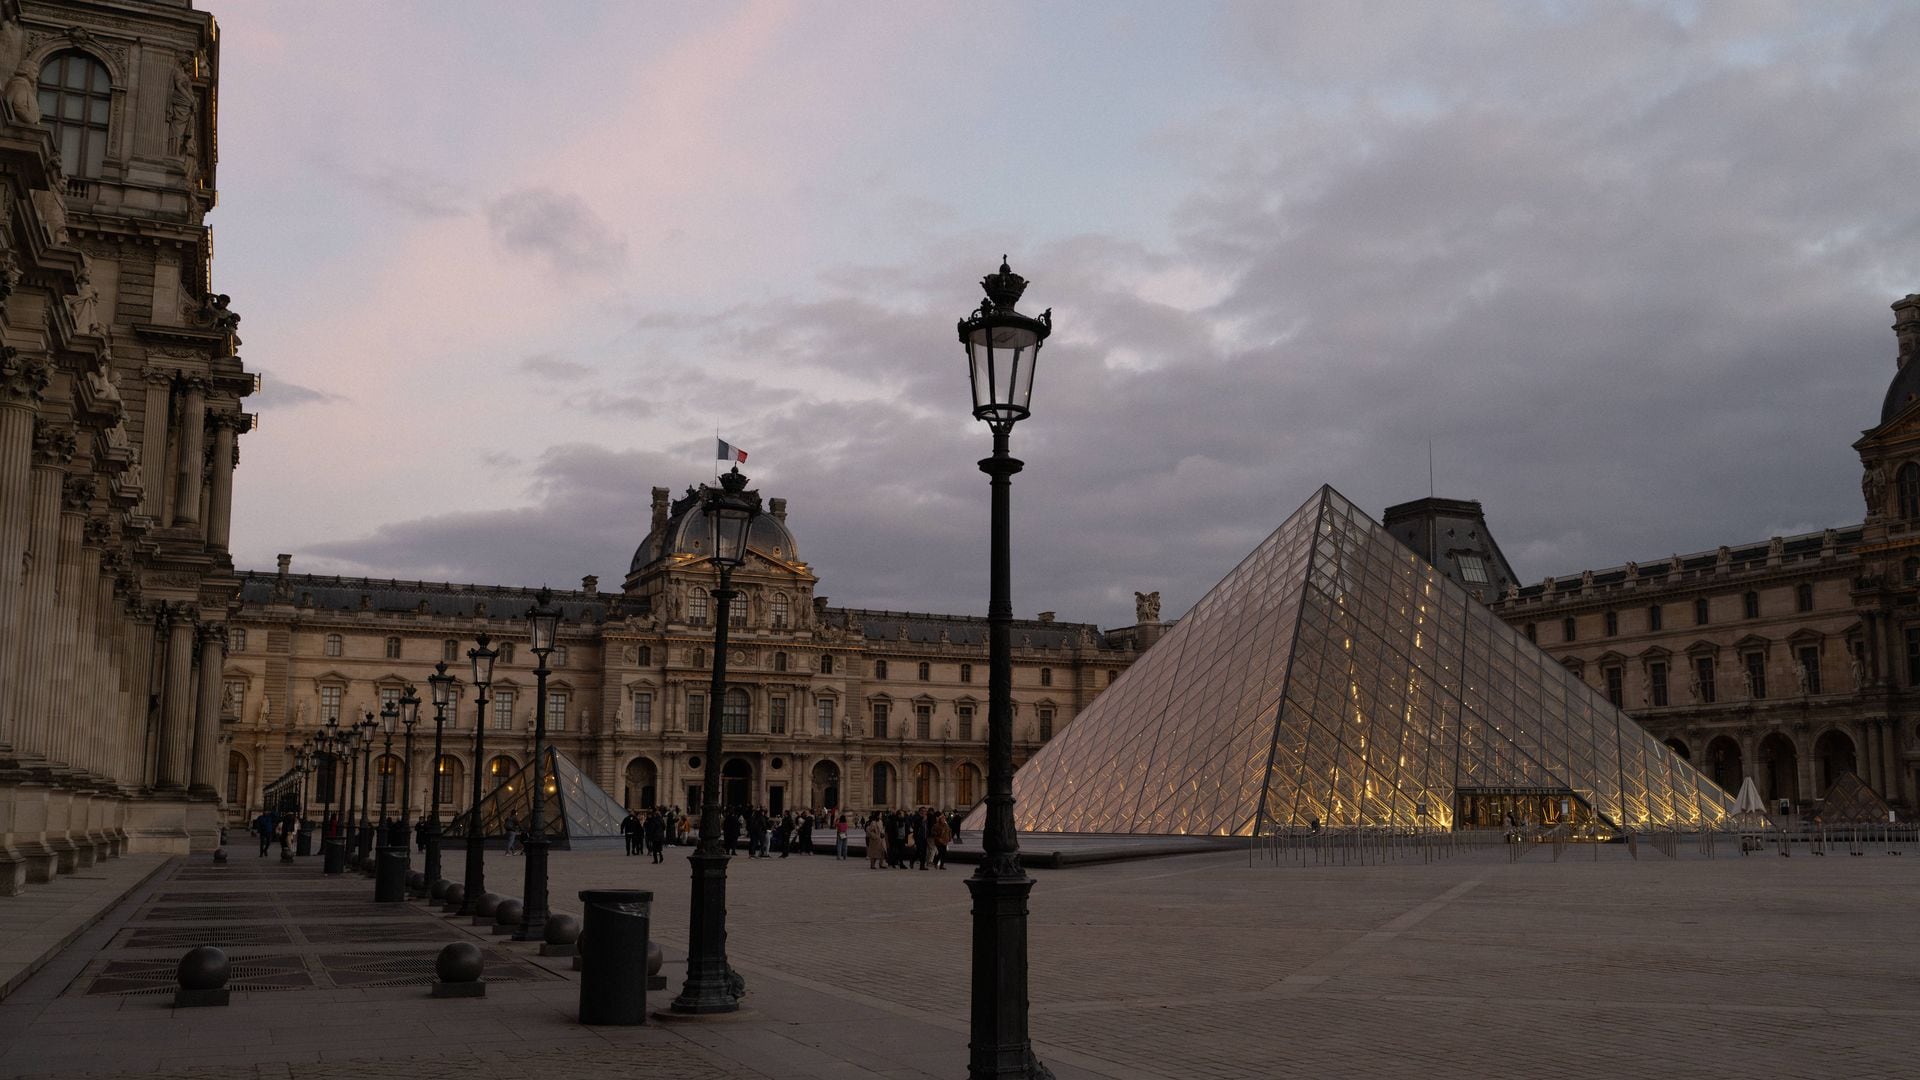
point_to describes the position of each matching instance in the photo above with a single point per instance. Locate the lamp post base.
(432, 867)
(533, 927)
(712, 985)
(1000, 1047)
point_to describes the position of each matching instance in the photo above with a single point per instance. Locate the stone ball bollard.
(508, 916)
(455, 897)
(654, 958)
(202, 974)
(457, 971)
(416, 880)
(562, 935)
(438, 890)
(220, 856)
(484, 907)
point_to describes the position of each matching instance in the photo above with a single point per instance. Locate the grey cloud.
(557, 226)
(557, 368)
(276, 393)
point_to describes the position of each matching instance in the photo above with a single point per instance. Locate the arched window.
(966, 784)
(697, 607)
(879, 669)
(826, 665)
(882, 784)
(75, 99)
(333, 644)
(446, 780)
(1046, 676)
(779, 661)
(734, 712)
(925, 780)
(499, 769)
(780, 612)
(1907, 481)
(737, 616)
(387, 768)
(393, 648)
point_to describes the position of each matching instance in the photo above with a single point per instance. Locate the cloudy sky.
(506, 268)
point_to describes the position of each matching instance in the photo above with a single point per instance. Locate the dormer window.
(76, 97)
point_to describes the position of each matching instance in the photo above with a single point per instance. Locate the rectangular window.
(1803, 598)
(737, 617)
(442, 784)
(1700, 612)
(777, 714)
(1751, 603)
(1653, 617)
(393, 648)
(556, 711)
(503, 710)
(1046, 724)
(1473, 569)
(879, 720)
(233, 698)
(1756, 674)
(450, 652)
(696, 712)
(966, 673)
(559, 656)
(1533, 633)
(330, 703)
(923, 721)
(237, 640)
(1613, 624)
(824, 714)
(1112, 674)
(1810, 665)
(1703, 674)
(966, 721)
(1567, 629)
(389, 695)
(643, 710)
(697, 609)
(1657, 684)
(1615, 688)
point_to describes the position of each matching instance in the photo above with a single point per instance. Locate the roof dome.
(1901, 392)
(685, 533)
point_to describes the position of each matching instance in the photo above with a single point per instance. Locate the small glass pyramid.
(1850, 801)
(577, 809)
(1336, 678)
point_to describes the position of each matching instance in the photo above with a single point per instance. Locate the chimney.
(286, 564)
(1906, 327)
(1046, 616)
(659, 510)
(590, 584)
(778, 508)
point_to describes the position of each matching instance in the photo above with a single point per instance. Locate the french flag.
(730, 452)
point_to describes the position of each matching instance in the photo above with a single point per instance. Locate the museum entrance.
(1511, 807)
(736, 783)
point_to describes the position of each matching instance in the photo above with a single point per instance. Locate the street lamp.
(712, 985)
(440, 688)
(409, 716)
(543, 625)
(333, 854)
(1003, 347)
(476, 880)
(367, 727)
(349, 840)
(389, 869)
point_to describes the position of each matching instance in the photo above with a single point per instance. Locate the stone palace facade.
(1791, 660)
(120, 406)
(825, 706)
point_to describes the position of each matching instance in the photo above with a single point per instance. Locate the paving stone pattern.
(1197, 966)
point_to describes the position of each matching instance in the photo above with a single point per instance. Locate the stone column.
(153, 447)
(1868, 750)
(220, 495)
(1889, 760)
(76, 499)
(193, 451)
(206, 729)
(22, 382)
(29, 677)
(145, 627)
(176, 714)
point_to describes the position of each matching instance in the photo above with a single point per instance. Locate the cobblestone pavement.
(1197, 966)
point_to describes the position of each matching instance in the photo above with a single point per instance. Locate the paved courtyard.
(1193, 966)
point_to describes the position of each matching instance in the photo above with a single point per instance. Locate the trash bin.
(613, 956)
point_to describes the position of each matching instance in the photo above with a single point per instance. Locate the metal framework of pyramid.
(1850, 801)
(578, 812)
(1336, 678)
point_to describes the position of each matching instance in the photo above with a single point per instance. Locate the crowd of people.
(896, 839)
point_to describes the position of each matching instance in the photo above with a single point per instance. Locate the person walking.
(840, 838)
(917, 838)
(730, 830)
(513, 835)
(656, 836)
(263, 825)
(806, 833)
(783, 835)
(876, 842)
(630, 832)
(942, 835)
(757, 834)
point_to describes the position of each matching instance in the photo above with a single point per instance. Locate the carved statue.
(1873, 487)
(1146, 607)
(1513, 590)
(53, 212)
(1693, 684)
(24, 97)
(1859, 682)
(84, 304)
(13, 44)
(620, 713)
(1800, 678)
(180, 106)
(1723, 559)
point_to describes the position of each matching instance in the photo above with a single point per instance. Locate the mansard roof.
(335, 593)
(924, 629)
(1805, 547)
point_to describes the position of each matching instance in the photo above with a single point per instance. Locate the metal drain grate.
(144, 937)
(183, 912)
(364, 933)
(122, 977)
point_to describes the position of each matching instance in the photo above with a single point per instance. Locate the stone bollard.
(456, 895)
(484, 908)
(655, 958)
(416, 883)
(458, 969)
(437, 891)
(203, 976)
(508, 916)
(219, 856)
(561, 934)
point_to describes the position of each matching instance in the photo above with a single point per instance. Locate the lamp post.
(543, 625)
(367, 726)
(350, 739)
(302, 762)
(333, 859)
(1003, 347)
(476, 879)
(409, 716)
(712, 985)
(389, 873)
(440, 687)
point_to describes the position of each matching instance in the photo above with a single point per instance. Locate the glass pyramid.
(1335, 677)
(578, 812)
(1850, 801)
